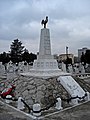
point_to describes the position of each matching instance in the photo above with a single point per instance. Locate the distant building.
(63, 57)
(80, 51)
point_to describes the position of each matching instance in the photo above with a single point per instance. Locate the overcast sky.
(69, 24)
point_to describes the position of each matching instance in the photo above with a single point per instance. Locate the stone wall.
(38, 90)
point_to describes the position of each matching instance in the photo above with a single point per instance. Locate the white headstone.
(82, 70)
(70, 69)
(11, 69)
(76, 69)
(2, 68)
(63, 67)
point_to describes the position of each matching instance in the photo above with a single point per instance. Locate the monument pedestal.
(45, 65)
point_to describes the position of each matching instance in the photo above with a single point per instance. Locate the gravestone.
(76, 69)
(63, 67)
(2, 69)
(72, 87)
(81, 68)
(70, 69)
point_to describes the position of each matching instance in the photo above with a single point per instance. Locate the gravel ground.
(8, 113)
(80, 112)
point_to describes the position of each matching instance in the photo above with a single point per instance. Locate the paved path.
(80, 112)
(8, 113)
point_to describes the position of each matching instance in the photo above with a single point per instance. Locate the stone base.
(46, 64)
(42, 73)
(45, 68)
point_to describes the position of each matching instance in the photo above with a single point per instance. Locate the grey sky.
(69, 23)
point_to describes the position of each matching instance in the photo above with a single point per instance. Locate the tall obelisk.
(45, 60)
(45, 44)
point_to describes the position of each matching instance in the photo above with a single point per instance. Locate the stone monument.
(45, 65)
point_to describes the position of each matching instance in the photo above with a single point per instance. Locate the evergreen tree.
(28, 57)
(16, 51)
(83, 58)
(4, 57)
(32, 57)
(68, 60)
(87, 56)
(25, 56)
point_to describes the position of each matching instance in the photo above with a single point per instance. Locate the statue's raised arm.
(44, 22)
